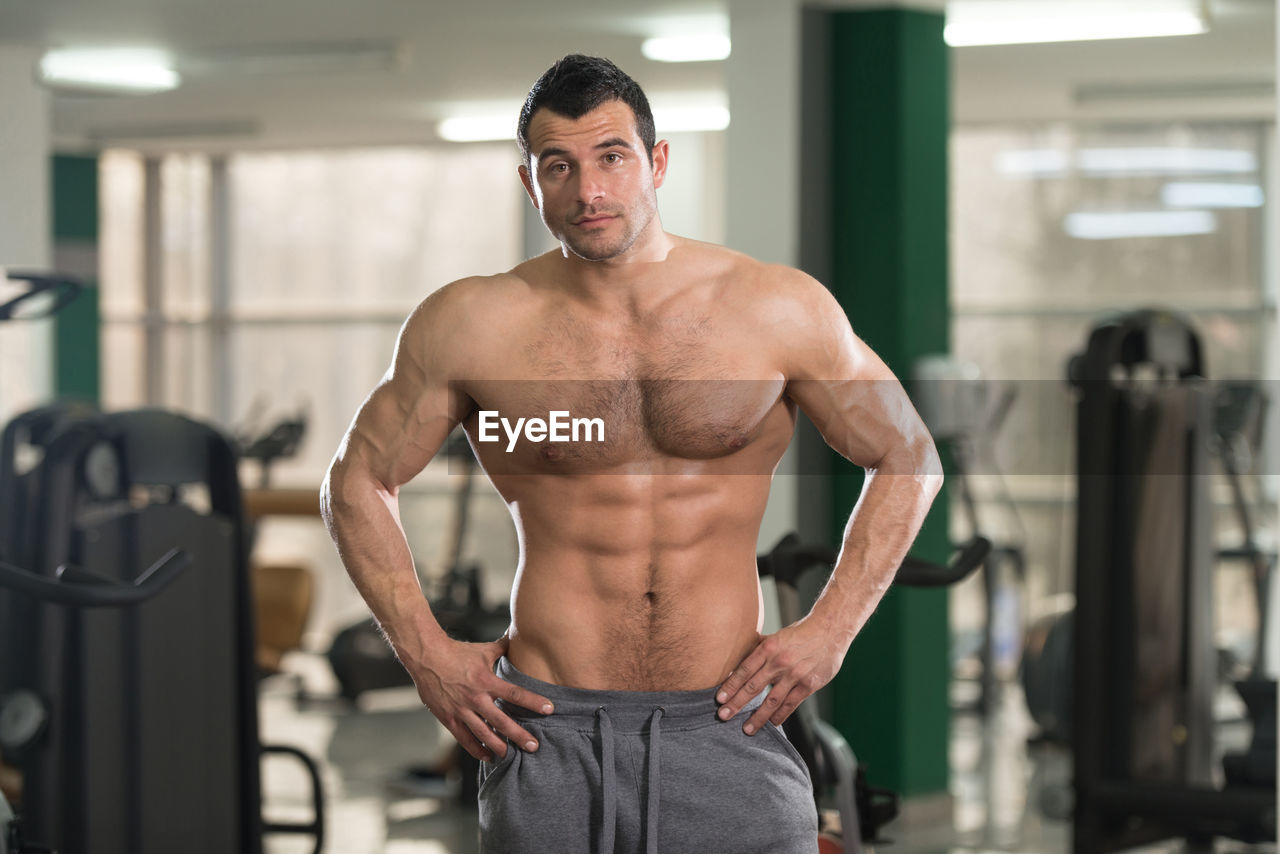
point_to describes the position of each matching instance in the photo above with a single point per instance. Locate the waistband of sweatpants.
(630, 710)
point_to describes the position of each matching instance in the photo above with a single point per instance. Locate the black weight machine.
(1240, 415)
(127, 699)
(24, 295)
(964, 414)
(279, 440)
(31, 295)
(862, 810)
(1145, 664)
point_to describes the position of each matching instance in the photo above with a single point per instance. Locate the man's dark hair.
(578, 84)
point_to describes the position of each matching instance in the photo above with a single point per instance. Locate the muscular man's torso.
(637, 567)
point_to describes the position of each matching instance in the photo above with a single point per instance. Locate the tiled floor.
(998, 785)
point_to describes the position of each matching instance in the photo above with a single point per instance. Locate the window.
(1056, 226)
(261, 284)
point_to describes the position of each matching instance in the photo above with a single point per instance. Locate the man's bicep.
(864, 416)
(400, 428)
(408, 416)
(848, 391)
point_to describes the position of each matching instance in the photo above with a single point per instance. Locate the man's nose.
(590, 186)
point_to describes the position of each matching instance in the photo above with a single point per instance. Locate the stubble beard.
(591, 250)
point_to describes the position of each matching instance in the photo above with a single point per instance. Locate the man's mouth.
(597, 219)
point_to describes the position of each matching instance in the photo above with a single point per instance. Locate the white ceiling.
(1228, 72)
(423, 58)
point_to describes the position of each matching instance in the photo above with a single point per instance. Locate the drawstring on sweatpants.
(655, 785)
(609, 783)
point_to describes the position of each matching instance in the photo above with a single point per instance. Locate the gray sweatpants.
(631, 772)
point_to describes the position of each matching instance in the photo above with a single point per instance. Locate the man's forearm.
(799, 659)
(363, 521)
(880, 531)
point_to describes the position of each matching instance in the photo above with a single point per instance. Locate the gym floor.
(999, 785)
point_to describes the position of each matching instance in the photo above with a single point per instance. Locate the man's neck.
(617, 283)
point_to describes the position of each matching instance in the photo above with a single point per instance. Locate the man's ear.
(527, 180)
(660, 153)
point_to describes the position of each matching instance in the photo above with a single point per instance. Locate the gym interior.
(1054, 220)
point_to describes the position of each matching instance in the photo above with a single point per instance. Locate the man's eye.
(613, 157)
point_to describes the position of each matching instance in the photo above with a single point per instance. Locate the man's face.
(592, 180)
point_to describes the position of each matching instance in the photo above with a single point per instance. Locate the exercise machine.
(31, 295)
(1144, 659)
(136, 695)
(24, 295)
(24, 715)
(127, 699)
(279, 440)
(861, 810)
(964, 414)
(1240, 414)
(1239, 409)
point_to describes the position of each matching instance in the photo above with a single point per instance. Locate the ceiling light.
(116, 134)
(991, 22)
(119, 70)
(1039, 163)
(1110, 226)
(691, 118)
(706, 47)
(671, 114)
(478, 128)
(1058, 162)
(1205, 195)
(1165, 160)
(337, 57)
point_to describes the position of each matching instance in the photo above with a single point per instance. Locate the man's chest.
(689, 387)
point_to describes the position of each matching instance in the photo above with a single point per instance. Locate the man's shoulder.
(755, 281)
(473, 288)
(460, 299)
(737, 264)
(461, 316)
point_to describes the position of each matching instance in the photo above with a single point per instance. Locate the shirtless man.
(620, 710)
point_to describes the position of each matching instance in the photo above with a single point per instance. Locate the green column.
(887, 149)
(75, 245)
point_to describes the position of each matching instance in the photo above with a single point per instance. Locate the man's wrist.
(830, 624)
(419, 644)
